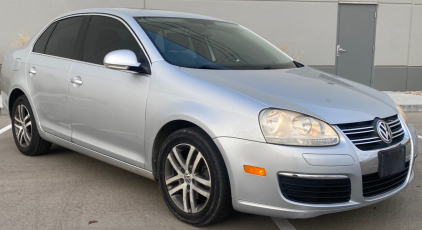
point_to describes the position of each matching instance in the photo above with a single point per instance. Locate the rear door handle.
(32, 71)
(77, 82)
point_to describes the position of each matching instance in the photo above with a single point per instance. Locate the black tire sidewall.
(219, 175)
(30, 149)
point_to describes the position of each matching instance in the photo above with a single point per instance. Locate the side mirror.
(124, 60)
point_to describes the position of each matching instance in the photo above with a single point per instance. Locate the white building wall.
(392, 34)
(415, 55)
(308, 26)
(30, 16)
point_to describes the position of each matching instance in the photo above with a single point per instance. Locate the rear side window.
(64, 40)
(39, 46)
(107, 34)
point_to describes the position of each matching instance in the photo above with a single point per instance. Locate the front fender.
(220, 112)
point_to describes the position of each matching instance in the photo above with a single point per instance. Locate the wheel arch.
(15, 94)
(165, 131)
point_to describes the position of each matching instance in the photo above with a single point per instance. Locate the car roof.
(128, 12)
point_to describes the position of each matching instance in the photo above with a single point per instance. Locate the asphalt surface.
(67, 190)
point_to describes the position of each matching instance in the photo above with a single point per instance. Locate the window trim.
(92, 14)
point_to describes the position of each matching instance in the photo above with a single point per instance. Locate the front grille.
(315, 191)
(365, 137)
(373, 185)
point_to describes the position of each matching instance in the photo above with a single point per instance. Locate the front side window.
(107, 34)
(64, 40)
(207, 44)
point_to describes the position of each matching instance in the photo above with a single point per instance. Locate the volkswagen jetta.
(221, 118)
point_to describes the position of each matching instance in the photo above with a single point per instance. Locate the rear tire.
(193, 178)
(25, 131)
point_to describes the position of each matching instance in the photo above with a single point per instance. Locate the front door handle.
(32, 71)
(76, 82)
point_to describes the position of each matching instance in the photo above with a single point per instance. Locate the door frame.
(375, 34)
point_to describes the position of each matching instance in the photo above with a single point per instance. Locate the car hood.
(306, 90)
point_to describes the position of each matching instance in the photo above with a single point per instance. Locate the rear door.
(108, 106)
(48, 67)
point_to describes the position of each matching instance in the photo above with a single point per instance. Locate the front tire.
(25, 131)
(193, 178)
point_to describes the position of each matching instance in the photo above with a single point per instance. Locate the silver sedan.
(221, 118)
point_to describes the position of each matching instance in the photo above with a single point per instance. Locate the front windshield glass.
(206, 44)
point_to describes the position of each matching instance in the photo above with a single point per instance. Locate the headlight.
(291, 128)
(402, 114)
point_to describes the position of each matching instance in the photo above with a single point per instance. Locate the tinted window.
(107, 34)
(39, 46)
(63, 41)
(198, 43)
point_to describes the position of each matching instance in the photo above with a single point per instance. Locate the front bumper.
(262, 195)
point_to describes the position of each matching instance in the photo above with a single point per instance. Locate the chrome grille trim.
(312, 176)
(399, 134)
(392, 126)
(365, 136)
(368, 142)
(370, 127)
(400, 130)
(364, 139)
(366, 131)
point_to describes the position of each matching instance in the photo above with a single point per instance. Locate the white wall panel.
(31, 16)
(377, 1)
(392, 35)
(303, 26)
(380, 1)
(415, 57)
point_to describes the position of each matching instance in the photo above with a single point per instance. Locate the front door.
(107, 107)
(356, 42)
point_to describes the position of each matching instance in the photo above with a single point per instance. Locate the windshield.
(206, 44)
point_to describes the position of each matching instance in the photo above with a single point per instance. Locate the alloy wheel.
(187, 178)
(23, 126)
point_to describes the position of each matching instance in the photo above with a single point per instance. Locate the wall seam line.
(408, 45)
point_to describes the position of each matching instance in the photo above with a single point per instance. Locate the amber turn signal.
(254, 170)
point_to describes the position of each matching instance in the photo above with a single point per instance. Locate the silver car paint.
(108, 111)
(305, 90)
(48, 89)
(246, 199)
(225, 104)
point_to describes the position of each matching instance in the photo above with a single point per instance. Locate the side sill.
(100, 156)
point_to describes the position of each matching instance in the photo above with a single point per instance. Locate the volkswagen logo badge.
(187, 178)
(384, 131)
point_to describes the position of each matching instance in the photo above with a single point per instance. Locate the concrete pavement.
(408, 102)
(67, 190)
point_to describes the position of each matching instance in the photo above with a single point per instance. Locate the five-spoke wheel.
(193, 177)
(25, 131)
(23, 125)
(188, 178)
